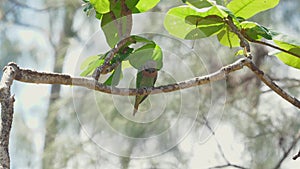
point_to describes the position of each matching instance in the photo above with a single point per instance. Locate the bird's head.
(149, 69)
(150, 64)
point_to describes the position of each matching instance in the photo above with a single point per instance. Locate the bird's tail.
(134, 111)
(136, 106)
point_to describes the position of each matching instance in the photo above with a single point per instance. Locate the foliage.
(290, 45)
(149, 50)
(201, 19)
(196, 19)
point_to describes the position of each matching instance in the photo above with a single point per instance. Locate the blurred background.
(235, 123)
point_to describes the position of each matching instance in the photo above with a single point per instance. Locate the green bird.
(145, 78)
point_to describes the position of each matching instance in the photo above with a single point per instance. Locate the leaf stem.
(243, 41)
(273, 46)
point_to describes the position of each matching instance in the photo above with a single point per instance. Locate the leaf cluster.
(135, 56)
(194, 20)
(205, 18)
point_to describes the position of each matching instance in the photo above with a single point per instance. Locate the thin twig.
(294, 83)
(273, 46)
(243, 41)
(286, 79)
(228, 164)
(264, 78)
(296, 156)
(282, 87)
(216, 140)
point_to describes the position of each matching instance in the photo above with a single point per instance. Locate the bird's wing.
(139, 77)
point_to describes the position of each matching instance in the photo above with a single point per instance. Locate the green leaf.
(91, 67)
(88, 61)
(203, 32)
(146, 53)
(218, 10)
(110, 30)
(88, 7)
(145, 5)
(175, 22)
(228, 38)
(240, 19)
(138, 6)
(115, 77)
(221, 2)
(289, 59)
(131, 4)
(101, 6)
(207, 20)
(239, 53)
(187, 23)
(255, 31)
(205, 26)
(248, 8)
(286, 58)
(126, 64)
(200, 3)
(125, 53)
(98, 15)
(111, 21)
(141, 39)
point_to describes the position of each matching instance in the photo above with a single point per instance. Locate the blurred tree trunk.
(59, 55)
(260, 52)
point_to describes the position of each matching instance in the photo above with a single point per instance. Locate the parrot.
(145, 78)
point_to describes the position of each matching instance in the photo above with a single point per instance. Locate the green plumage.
(145, 78)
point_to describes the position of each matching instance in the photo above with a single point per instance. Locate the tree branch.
(260, 74)
(7, 105)
(30, 76)
(13, 72)
(264, 78)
